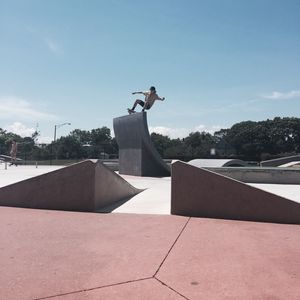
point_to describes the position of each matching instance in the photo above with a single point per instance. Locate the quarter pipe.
(137, 154)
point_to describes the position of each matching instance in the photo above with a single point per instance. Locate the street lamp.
(51, 149)
(58, 126)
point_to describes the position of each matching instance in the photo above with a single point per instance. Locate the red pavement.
(68, 255)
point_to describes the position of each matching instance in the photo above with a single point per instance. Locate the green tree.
(198, 144)
(161, 142)
(68, 148)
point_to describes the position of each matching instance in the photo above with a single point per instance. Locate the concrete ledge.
(202, 193)
(261, 174)
(279, 161)
(85, 186)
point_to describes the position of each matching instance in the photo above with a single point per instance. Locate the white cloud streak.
(17, 109)
(183, 132)
(282, 96)
(53, 46)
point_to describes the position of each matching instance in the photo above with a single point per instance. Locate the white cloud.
(183, 132)
(24, 131)
(170, 132)
(282, 96)
(14, 108)
(20, 129)
(53, 46)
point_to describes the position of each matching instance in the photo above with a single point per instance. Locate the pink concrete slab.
(48, 253)
(218, 259)
(149, 289)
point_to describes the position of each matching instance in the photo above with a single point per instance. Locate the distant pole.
(54, 133)
(54, 140)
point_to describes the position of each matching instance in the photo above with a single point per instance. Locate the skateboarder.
(13, 152)
(150, 98)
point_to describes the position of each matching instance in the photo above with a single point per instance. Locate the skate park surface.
(140, 251)
(155, 199)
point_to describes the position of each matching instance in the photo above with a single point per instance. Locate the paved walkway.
(70, 255)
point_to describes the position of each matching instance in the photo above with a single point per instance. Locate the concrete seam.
(183, 228)
(91, 289)
(161, 282)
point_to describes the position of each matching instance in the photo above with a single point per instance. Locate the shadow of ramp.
(199, 192)
(85, 186)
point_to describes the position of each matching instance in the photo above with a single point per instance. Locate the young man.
(150, 98)
(13, 152)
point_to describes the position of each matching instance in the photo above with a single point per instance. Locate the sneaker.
(130, 111)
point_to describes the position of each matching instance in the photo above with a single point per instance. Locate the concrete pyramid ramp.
(137, 154)
(202, 193)
(85, 186)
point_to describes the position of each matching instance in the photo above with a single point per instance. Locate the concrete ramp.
(137, 154)
(199, 192)
(85, 186)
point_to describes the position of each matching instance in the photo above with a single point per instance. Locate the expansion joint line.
(183, 228)
(161, 282)
(130, 281)
(154, 276)
(92, 289)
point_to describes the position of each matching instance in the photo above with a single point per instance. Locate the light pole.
(58, 126)
(55, 127)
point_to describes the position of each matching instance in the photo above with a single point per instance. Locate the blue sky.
(217, 62)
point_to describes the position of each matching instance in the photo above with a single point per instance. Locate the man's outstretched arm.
(138, 93)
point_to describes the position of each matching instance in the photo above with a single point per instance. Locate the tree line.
(248, 140)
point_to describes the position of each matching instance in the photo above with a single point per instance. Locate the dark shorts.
(142, 103)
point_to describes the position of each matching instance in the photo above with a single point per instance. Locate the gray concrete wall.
(85, 186)
(199, 192)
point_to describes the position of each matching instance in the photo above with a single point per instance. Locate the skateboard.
(130, 111)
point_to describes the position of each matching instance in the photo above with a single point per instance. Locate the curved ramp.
(85, 186)
(217, 163)
(137, 154)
